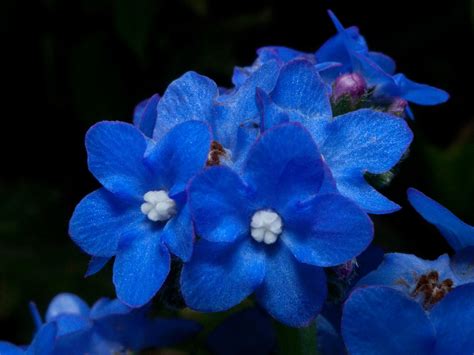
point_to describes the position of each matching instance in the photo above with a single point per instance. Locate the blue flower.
(351, 144)
(271, 230)
(232, 115)
(141, 213)
(383, 320)
(109, 327)
(347, 52)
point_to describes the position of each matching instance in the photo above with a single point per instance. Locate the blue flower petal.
(463, 264)
(386, 63)
(291, 292)
(327, 230)
(96, 264)
(246, 332)
(284, 165)
(380, 320)
(219, 204)
(66, 303)
(190, 97)
(360, 141)
(106, 307)
(457, 233)
(421, 94)
(99, 220)
(271, 114)
(301, 91)
(358, 189)
(141, 266)
(282, 54)
(115, 157)
(145, 117)
(178, 234)
(401, 271)
(353, 43)
(44, 341)
(70, 323)
(453, 318)
(7, 348)
(221, 275)
(374, 76)
(240, 106)
(180, 155)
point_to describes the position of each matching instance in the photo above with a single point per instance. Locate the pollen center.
(158, 206)
(266, 226)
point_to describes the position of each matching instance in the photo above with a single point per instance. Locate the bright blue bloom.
(404, 272)
(141, 213)
(347, 52)
(109, 327)
(351, 144)
(457, 233)
(383, 320)
(232, 115)
(246, 332)
(271, 230)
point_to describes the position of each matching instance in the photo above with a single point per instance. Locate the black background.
(68, 64)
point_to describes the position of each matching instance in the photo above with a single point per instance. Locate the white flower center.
(266, 226)
(158, 206)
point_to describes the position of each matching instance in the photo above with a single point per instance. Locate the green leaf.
(297, 341)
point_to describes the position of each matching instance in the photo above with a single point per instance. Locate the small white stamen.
(158, 206)
(266, 226)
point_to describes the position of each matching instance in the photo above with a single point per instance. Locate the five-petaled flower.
(141, 213)
(271, 230)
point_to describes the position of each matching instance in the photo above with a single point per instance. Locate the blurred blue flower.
(383, 320)
(109, 327)
(270, 231)
(351, 144)
(141, 213)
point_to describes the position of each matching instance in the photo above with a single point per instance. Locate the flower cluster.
(260, 192)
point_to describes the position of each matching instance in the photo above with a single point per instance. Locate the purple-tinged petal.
(284, 165)
(190, 97)
(327, 230)
(219, 204)
(420, 94)
(99, 220)
(291, 292)
(115, 157)
(380, 320)
(180, 154)
(66, 303)
(221, 275)
(140, 268)
(457, 233)
(452, 319)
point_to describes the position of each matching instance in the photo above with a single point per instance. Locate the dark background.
(68, 64)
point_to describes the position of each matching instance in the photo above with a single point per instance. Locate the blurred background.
(69, 64)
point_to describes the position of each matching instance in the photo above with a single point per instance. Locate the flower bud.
(352, 85)
(397, 106)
